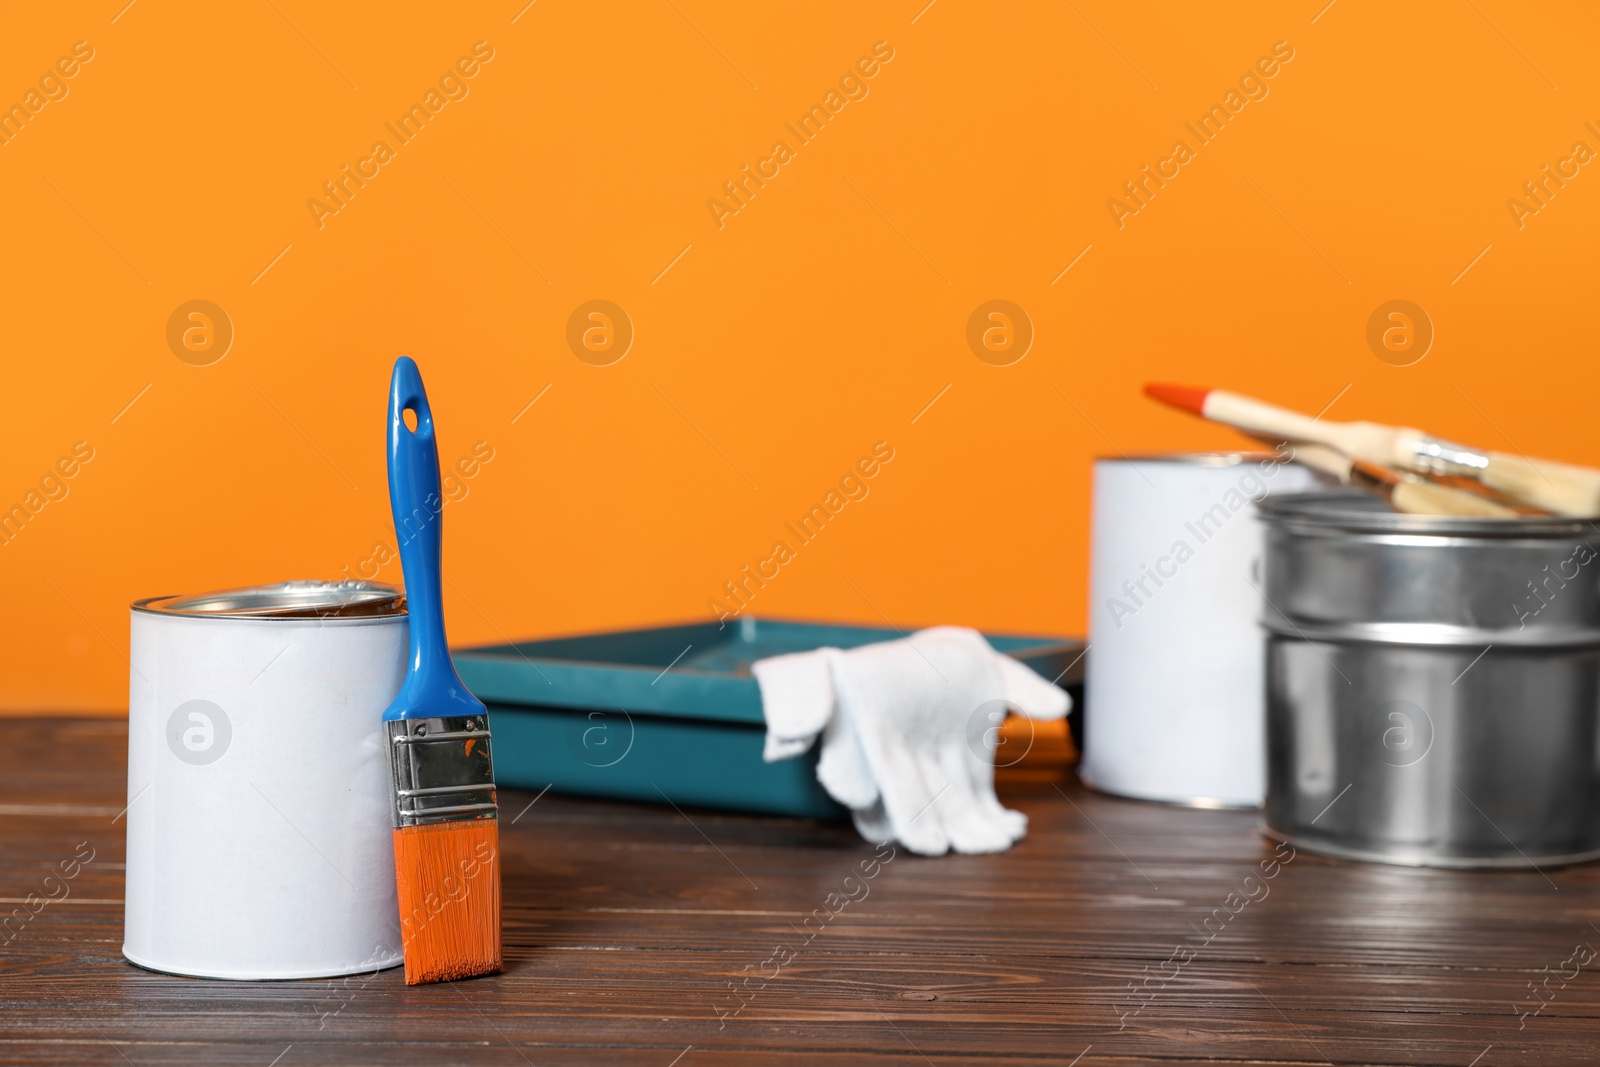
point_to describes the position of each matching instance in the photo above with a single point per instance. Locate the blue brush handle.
(431, 688)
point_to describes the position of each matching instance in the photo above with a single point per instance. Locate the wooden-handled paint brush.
(1557, 487)
(1406, 492)
(446, 817)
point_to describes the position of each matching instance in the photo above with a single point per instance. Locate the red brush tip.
(1179, 396)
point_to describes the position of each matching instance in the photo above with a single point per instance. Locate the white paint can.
(1173, 685)
(259, 839)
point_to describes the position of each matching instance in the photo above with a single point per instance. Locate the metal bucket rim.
(291, 601)
(1421, 858)
(1441, 635)
(1358, 512)
(1199, 803)
(1198, 459)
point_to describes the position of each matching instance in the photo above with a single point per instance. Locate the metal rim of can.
(1438, 635)
(1347, 511)
(1414, 857)
(1360, 518)
(1199, 802)
(292, 600)
(1198, 459)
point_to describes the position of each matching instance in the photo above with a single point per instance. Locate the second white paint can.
(1173, 685)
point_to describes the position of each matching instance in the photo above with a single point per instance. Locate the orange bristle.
(448, 878)
(1179, 396)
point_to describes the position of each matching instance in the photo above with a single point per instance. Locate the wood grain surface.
(626, 926)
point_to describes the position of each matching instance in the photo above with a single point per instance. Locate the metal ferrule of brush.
(1442, 457)
(442, 770)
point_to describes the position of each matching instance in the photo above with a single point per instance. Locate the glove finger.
(1029, 693)
(973, 762)
(965, 820)
(911, 791)
(872, 823)
(971, 828)
(843, 769)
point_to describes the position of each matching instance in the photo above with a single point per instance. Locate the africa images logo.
(198, 732)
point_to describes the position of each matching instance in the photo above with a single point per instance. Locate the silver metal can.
(1432, 684)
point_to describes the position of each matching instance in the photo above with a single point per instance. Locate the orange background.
(822, 318)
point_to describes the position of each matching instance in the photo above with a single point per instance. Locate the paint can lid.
(284, 600)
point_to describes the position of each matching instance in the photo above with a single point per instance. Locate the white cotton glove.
(796, 699)
(910, 745)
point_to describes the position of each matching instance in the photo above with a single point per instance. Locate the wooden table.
(625, 926)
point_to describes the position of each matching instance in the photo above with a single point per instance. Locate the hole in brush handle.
(416, 417)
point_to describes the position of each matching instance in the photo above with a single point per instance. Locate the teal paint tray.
(673, 714)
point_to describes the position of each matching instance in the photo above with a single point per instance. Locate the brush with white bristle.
(1405, 492)
(1557, 487)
